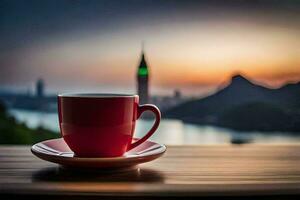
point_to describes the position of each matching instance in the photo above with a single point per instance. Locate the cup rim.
(97, 95)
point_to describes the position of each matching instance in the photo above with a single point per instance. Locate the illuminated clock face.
(143, 72)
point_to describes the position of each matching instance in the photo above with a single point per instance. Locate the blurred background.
(220, 71)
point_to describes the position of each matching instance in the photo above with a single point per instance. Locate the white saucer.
(57, 151)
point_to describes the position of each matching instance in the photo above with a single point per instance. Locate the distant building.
(143, 80)
(38, 101)
(177, 94)
(40, 88)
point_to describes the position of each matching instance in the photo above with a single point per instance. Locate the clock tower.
(143, 80)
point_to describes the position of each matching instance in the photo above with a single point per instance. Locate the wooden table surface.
(207, 171)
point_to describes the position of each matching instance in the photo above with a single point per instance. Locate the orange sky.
(202, 55)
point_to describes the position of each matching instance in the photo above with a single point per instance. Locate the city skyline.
(191, 46)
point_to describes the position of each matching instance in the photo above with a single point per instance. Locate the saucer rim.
(117, 158)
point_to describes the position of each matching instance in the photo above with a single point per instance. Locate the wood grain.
(224, 170)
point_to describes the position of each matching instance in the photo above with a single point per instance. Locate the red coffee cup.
(102, 125)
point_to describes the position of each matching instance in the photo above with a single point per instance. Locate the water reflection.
(172, 131)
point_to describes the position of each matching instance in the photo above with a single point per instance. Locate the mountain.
(243, 105)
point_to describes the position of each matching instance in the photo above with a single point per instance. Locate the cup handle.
(140, 110)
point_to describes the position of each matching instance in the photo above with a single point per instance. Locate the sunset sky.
(192, 46)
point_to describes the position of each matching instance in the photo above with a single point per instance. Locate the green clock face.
(143, 72)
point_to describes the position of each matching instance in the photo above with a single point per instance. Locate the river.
(173, 132)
